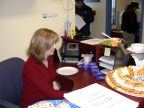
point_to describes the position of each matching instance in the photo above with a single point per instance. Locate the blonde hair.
(41, 41)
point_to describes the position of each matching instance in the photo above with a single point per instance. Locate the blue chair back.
(11, 82)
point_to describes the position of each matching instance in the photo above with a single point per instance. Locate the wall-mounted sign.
(91, 1)
(50, 15)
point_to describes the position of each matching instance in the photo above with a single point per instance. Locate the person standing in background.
(129, 24)
(86, 13)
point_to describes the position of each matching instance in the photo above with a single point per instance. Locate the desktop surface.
(84, 78)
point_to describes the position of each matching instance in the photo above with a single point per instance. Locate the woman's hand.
(55, 86)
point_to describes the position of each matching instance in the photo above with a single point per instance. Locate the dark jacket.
(87, 13)
(129, 21)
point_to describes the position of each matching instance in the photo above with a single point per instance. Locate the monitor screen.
(72, 46)
(121, 57)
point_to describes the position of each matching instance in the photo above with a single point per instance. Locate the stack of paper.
(106, 65)
(108, 59)
(107, 62)
(97, 96)
(92, 41)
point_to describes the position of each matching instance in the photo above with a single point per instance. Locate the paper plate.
(135, 51)
(56, 102)
(67, 71)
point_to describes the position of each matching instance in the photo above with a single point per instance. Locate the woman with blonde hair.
(39, 73)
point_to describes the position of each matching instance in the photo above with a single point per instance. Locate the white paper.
(97, 96)
(81, 62)
(92, 41)
(106, 65)
(108, 59)
(79, 22)
(51, 15)
(107, 52)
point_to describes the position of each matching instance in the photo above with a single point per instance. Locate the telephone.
(70, 49)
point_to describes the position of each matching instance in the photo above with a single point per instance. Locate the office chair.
(11, 83)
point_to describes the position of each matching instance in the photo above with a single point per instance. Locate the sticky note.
(107, 52)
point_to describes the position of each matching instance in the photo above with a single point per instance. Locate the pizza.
(112, 42)
(44, 104)
(128, 80)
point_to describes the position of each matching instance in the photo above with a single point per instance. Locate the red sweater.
(38, 83)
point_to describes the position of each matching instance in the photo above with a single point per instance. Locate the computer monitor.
(121, 57)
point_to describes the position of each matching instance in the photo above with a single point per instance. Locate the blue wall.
(108, 17)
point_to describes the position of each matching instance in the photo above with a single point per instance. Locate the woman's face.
(50, 51)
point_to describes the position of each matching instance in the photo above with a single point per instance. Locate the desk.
(85, 48)
(84, 78)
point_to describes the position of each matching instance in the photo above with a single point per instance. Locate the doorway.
(108, 19)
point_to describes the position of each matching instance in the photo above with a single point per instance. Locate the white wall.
(19, 19)
(98, 25)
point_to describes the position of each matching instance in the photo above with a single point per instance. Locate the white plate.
(136, 51)
(67, 70)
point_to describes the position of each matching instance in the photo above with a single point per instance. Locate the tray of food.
(53, 104)
(128, 80)
(113, 42)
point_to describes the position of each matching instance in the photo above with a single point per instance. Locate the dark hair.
(133, 4)
(78, 0)
(41, 41)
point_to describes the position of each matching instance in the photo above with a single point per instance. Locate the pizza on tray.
(128, 80)
(112, 42)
